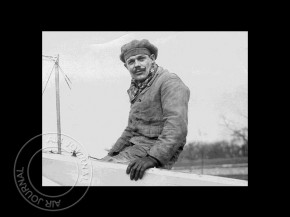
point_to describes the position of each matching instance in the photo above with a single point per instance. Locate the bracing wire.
(65, 77)
(48, 57)
(48, 78)
(65, 74)
(67, 83)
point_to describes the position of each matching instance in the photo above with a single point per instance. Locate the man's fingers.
(130, 166)
(133, 171)
(142, 170)
(138, 169)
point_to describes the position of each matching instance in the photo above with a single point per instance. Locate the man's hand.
(137, 167)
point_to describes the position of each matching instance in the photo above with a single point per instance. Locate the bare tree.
(239, 134)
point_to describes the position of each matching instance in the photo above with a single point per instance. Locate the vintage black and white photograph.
(152, 108)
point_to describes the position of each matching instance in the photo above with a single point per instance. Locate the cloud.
(116, 43)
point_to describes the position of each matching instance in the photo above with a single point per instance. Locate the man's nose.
(137, 64)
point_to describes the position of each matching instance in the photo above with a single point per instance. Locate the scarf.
(137, 87)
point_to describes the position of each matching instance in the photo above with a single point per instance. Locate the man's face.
(139, 66)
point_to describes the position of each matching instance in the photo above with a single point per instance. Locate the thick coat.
(158, 119)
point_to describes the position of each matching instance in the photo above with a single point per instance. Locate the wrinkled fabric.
(158, 119)
(128, 154)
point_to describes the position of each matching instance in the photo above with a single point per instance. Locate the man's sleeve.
(123, 141)
(174, 98)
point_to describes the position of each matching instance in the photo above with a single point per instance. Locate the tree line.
(210, 150)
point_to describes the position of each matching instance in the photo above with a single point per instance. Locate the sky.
(214, 66)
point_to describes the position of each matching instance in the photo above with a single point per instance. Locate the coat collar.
(134, 92)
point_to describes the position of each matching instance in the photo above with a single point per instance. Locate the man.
(157, 125)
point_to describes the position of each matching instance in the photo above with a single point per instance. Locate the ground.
(236, 168)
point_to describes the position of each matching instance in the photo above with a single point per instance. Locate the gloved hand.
(137, 167)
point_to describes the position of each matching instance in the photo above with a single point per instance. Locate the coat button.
(139, 100)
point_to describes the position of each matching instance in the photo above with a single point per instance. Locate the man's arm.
(122, 142)
(174, 98)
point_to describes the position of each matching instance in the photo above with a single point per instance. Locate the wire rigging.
(65, 74)
(51, 58)
(48, 78)
(67, 83)
(65, 77)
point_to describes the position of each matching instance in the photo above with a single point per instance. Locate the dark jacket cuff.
(158, 164)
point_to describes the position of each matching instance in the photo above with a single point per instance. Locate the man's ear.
(125, 65)
(152, 57)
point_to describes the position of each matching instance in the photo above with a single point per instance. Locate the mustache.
(139, 69)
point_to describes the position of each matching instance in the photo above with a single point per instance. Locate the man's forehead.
(137, 56)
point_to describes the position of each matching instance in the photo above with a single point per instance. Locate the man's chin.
(140, 78)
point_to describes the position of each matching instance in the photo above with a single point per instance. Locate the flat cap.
(136, 47)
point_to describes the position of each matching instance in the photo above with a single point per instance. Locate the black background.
(23, 100)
